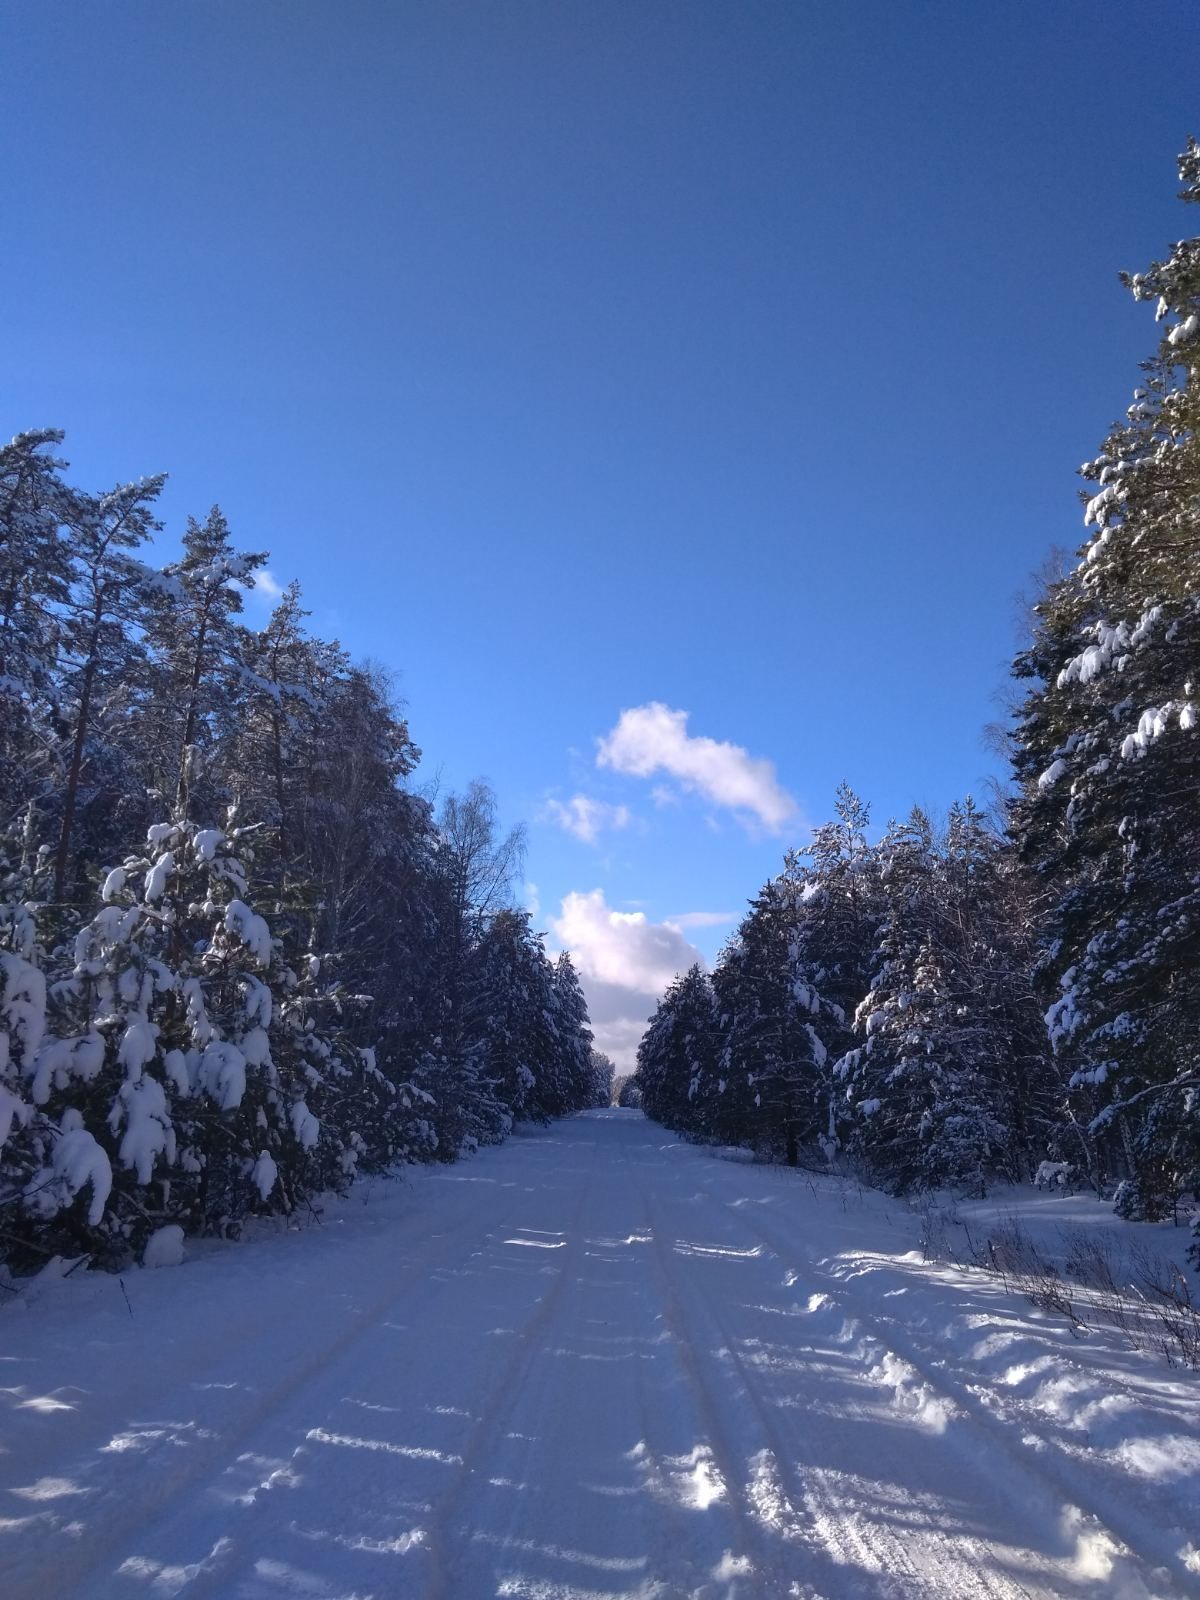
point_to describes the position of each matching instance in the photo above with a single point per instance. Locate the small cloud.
(267, 587)
(702, 919)
(662, 796)
(654, 738)
(533, 900)
(586, 818)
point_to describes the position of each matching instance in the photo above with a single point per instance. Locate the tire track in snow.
(960, 1565)
(120, 1518)
(755, 1543)
(674, 1568)
(97, 1427)
(498, 1409)
(831, 1547)
(1109, 1521)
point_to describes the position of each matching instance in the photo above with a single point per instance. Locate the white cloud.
(621, 947)
(533, 901)
(586, 818)
(702, 919)
(653, 738)
(625, 962)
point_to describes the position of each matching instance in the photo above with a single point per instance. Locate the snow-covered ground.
(593, 1362)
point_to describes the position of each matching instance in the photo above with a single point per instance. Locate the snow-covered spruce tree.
(572, 1085)
(514, 1041)
(26, 1136)
(835, 894)
(773, 1057)
(950, 1082)
(184, 1059)
(677, 1059)
(628, 1092)
(885, 1076)
(788, 984)
(1108, 761)
(985, 924)
(601, 1078)
(346, 823)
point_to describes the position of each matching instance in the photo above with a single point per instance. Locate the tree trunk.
(81, 724)
(183, 791)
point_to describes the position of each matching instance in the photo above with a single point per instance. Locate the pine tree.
(100, 620)
(35, 573)
(287, 680)
(195, 682)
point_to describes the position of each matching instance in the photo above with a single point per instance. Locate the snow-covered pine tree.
(1108, 760)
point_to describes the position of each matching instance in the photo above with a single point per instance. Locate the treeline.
(944, 1006)
(240, 957)
(875, 1003)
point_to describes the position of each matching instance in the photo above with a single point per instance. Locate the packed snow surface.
(594, 1362)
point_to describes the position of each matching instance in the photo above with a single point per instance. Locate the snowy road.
(591, 1363)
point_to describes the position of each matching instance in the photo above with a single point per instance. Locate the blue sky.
(731, 360)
